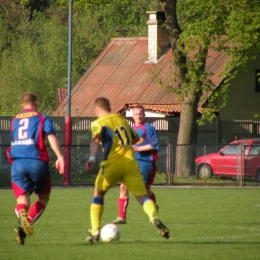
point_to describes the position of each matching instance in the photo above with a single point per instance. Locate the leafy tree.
(34, 43)
(11, 16)
(113, 15)
(89, 38)
(37, 62)
(231, 27)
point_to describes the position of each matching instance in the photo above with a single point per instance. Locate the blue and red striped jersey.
(148, 135)
(28, 130)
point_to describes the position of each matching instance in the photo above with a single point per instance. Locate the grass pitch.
(205, 223)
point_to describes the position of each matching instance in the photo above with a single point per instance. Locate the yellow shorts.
(123, 170)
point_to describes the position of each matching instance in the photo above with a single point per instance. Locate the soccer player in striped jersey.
(146, 155)
(29, 158)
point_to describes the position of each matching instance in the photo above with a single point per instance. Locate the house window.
(257, 83)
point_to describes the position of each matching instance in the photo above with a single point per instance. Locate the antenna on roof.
(122, 31)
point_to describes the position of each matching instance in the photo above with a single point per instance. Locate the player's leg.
(40, 175)
(21, 212)
(123, 201)
(96, 211)
(104, 181)
(148, 169)
(23, 200)
(134, 182)
(38, 207)
(150, 209)
(22, 188)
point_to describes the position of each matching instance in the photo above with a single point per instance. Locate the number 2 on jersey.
(22, 132)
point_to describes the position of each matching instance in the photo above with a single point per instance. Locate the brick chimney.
(158, 40)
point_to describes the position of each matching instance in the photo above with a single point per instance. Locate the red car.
(239, 157)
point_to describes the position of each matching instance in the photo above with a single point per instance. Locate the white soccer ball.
(110, 232)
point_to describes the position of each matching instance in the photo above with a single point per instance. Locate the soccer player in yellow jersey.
(115, 136)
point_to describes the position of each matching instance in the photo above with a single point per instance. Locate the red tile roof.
(160, 108)
(121, 74)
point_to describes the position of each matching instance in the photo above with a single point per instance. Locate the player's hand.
(89, 165)
(135, 148)
(60, 165)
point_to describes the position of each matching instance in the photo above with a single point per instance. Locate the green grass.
(160, 179)
(205, 223)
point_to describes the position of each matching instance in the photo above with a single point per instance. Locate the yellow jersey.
(115, 135)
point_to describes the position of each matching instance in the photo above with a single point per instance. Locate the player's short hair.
(103, 103)
(139, 107)
(28, 98)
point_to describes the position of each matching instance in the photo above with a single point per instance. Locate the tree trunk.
(184, 164)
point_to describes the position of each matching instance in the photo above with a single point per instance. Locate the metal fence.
(219, 131)
(80, 154)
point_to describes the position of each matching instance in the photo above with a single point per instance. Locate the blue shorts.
(30, 175)
(148, 171)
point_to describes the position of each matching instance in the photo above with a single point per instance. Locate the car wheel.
(205, 171)
(258, 175)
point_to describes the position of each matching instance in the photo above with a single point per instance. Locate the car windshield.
(255, 149)
(234, 148)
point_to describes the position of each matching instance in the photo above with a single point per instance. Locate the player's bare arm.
(56, 148)
(94, 146)
(143, 148)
